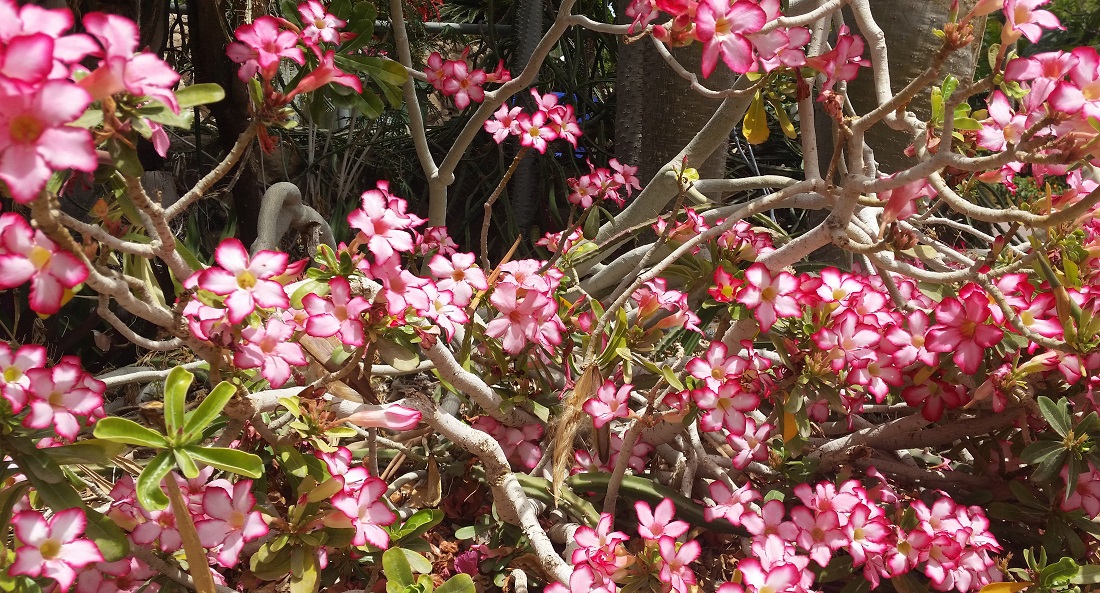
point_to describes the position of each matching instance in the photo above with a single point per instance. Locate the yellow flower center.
(50, 549)
(246, 280)
(12, 374)
(25, 129)
(236, 519)
(769, 294)
(39, 257)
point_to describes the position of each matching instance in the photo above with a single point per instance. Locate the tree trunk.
(656, 111)
(908, 26)
(208, 40)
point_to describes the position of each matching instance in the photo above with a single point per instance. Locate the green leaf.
(198, 419)
(419, 523)
(418, 563)
(125, 159)
(361, 23)
(230, 460)
(1057, 574)
(199, 94)
(1086, 575)
(93, 451)
(460, 583)
(1036, 452)
(398, 571)
(1077, 467)
(305, 576)
(160, 113)
(1049, 467)
(121, 430)
(186, 463)
(149, 492)
(175, 401)
(1057, 415)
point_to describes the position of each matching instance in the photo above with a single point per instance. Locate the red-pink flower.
(842, 62)
(367, 513)
(654, 524)
(1023, 17)
(52, 548)
(35, 140)
(782, 578)
(232, 521)
(769, 297)
(246, 282)
(261, 45)
(381, 226)
(459, 275)
(14, 366)
(722, 26)
(751, 445)
(961, 329)
(676, 571)
(504, 123)
(320, 25)
(534, 131)
(140, 74)
(609, 403)
(57, 395)
(338, 314)
(463, 85)
(730, 505)
(268, 348)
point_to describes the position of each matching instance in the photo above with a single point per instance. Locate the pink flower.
(27, 254)
(261, 45)
(769, 297)
(819, 533)
(269, 349)
(730, 505)
(504, 123)
(675, 571)
(655, 524)
(231, 523)
(391, 416)
(367, 512)
(128, 575)
(14, 366)
(320, 25)
(339, 314)
(842, 62)
(534, 131)
(381, 226)
(59, 394)
(53, 548)
(34, 140)
(961, 328)
(600, 547)
(609, 403)
(1003, 126)
(141, 74)
(436, 71)
(1022, 17)
(464, 86)
(721, 26)
(459, 275)
(520, 444)
(442, 310)
(724, 407)
(782, 578)
(247, 281)
(750, 446)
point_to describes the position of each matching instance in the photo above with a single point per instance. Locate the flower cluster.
(456, 80)
(603, 184)
(551, 121)
(262, 45)
(950, 543)
(520, 444)
(62, 397)
(224, 514)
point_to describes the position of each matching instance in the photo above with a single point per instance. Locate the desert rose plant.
(671, 399)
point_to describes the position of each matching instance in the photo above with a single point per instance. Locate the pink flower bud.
(390, 416)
